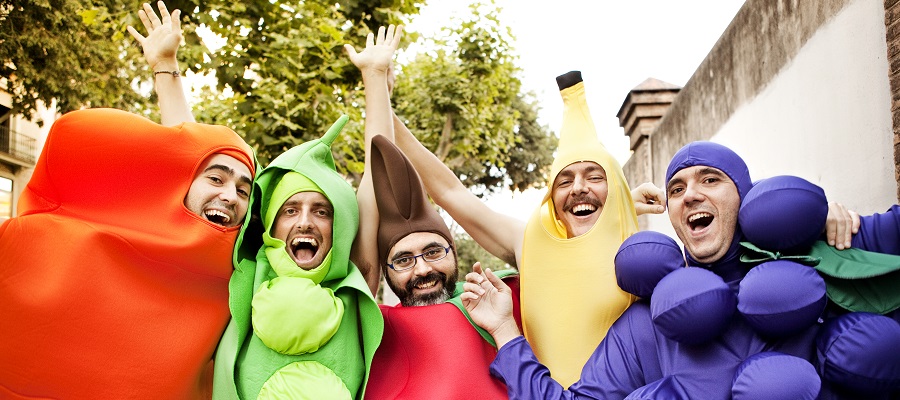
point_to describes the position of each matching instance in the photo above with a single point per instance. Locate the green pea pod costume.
(345, 322)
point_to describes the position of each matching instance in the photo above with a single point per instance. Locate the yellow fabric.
(304, 380)
(569, 295)
(279, 302)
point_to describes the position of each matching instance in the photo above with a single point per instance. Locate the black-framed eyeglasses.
(433, 254)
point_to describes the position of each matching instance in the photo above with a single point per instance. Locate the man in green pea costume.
(304, 324)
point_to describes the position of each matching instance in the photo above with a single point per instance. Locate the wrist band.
(174, 73)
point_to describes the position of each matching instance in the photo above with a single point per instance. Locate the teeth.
(299, 240)
(583, 207)
(217, 213)
(697, 216)
(426, 285)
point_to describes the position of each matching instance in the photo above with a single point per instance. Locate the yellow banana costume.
(569, 295)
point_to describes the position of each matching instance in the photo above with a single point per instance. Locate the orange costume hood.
(109, 286)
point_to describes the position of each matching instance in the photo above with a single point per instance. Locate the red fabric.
(109, 287)
(433, 352)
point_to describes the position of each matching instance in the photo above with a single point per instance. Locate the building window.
(5, 198)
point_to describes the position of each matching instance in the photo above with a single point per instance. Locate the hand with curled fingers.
(489, 302)
(648, 199)
(840, 225)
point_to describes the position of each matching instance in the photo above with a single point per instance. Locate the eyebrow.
(406, 253)
(243, 178)
(701, 171)
(315, 204)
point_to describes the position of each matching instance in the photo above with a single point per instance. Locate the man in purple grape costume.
(687, 341)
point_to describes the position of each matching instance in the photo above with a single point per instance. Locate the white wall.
(827, 115)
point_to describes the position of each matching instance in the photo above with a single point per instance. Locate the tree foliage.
(464, 101)
(281, 77)
(73, 52)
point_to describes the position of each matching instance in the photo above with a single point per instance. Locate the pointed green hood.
(313, 160)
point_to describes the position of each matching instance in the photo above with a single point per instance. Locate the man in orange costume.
(114, 275)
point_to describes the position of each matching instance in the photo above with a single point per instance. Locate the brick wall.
(892, 23)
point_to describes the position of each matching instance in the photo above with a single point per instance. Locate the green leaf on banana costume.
(339, 333)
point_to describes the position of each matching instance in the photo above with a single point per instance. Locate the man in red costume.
(114, 275)
(401, 235)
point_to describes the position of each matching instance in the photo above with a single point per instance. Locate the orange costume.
(110, 288)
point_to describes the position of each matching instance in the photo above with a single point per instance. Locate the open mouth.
(700, 220)
(582, 210)
(217, 217)
(304, 248)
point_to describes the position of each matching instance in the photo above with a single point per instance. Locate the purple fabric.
(880, 232)
(692, 305)
(860, 353)
(783, 213)
(712, 155)
(635, 354)
(775, 376)
(780, 298)
(645, 258)
(667, 388)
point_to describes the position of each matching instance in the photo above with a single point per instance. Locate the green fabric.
(278, 303)
(758, 255)
(307, 380)
(860, 280)
(243, 362)
(456, 301)
(285, 266)
(289, 184)
(855, 279)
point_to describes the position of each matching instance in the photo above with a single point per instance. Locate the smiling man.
(115, 272)
(564, 252)
(304, 324)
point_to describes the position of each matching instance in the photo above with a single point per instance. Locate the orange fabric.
(109, 287)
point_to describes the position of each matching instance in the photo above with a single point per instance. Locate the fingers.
(137, 36)
(497, 282)
(395, 42)
(840, 225)
(350, 51)
(476, 268)
(151, 16)
(142, 14)
(380, 38)
(176, 21)
(855, 216)
(164, 12)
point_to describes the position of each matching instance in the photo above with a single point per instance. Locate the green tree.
(73, 52)
(470, 252)
(464, 101)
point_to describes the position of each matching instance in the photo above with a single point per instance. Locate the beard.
(408, 299)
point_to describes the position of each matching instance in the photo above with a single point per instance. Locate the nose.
(692, 194)
(304, 219)
(579, 184)
(229, 194)
(422, 267)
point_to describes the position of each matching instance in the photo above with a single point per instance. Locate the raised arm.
(160, 50)
(374, 62)
(497, 233)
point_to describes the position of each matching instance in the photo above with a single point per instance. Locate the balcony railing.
(17, 145)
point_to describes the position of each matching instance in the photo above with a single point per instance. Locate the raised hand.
(163, 37)
(379, 51)
(489, 302)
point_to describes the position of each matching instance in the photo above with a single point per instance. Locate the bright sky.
(616, 46)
